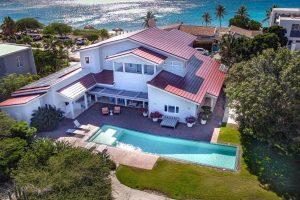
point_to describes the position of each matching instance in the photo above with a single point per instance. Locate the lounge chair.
(105, 111)
(169, 121)
(76, 132)
(79, 126)
(117, 110)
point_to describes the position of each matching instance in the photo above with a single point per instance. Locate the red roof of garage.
(18, 100)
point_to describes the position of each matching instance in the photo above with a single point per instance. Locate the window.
(133, 68)
(19, 62)
(87, 60)
(171, 109)
(118, 67)
(295, 31)
(149, 69)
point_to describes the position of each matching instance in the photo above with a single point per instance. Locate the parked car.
(203, 51)
(36, 37)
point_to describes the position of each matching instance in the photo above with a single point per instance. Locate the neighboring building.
(151, 68)
(288, 18)
(240, 32)
(16, 59)
(201, 32)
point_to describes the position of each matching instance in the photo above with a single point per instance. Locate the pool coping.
(236, 164)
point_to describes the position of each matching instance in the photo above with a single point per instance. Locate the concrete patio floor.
(130, 118)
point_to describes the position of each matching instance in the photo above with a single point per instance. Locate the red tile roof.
(171, 42)
(81, 85)
(105, 77)
(35, 90)
(18, 100)
(206, 31)
(203, 76)
(143, 53)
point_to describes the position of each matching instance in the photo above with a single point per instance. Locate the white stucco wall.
(132, 81)
(94, 54)
(22, 112)
(158, 99)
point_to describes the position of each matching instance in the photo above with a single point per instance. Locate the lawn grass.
(187, 181)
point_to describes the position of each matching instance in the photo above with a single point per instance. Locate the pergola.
(119, 94)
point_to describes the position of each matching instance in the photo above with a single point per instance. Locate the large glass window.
(133, 68)
(295, 31)
(149, 69)
(118, 67)
(171, 109)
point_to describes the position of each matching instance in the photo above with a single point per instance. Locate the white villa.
(289, 18)
(152, 68)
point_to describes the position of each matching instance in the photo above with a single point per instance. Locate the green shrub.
(46, 118)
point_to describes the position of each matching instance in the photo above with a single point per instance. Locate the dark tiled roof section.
(203, 77)
(105, 77)
(189, 83)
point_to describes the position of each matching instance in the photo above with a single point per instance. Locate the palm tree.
(268, 13)
(220, 12)
(148, 19)
(206, 18)
(242, 11)
(8, 27)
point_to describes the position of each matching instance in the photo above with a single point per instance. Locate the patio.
(130, 118)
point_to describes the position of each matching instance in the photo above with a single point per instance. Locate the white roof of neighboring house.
(6, 49)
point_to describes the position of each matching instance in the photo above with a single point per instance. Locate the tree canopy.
(265, 93)
(12, 82)
(57, 28)
(220, 12)
(245, 22)
(56, 171)
(279, 31)
(28, 23)
(235, 50)
(14, 139)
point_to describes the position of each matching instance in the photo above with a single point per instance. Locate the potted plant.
(144, 111)
(155, 116)
(190, 121)
(205, 114)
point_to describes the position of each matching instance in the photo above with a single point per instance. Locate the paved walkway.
(214, 138)
(132, 158)
(122, 192)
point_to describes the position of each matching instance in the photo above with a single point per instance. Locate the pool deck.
(130, 118)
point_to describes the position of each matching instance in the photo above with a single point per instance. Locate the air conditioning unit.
(223, 68)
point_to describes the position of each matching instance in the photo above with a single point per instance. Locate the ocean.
(127, 14)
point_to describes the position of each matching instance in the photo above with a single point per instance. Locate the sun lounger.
(105, 111)
(117, 110)
(168, 121)
(79, 126)
(76, 132)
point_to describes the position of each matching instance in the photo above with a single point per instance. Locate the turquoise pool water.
(215, 155)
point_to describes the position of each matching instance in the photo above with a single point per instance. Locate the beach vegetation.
(92, 33)
(268, 13)
(13, 82)
(242, 11)
(25, 24)
(149, 20)
(220, 13)
(245, 22)
(55, 170)
(46, 118)
(206, 18)
(8, 27)
(61, 29)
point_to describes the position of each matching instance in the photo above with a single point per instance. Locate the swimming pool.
(221, 156)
